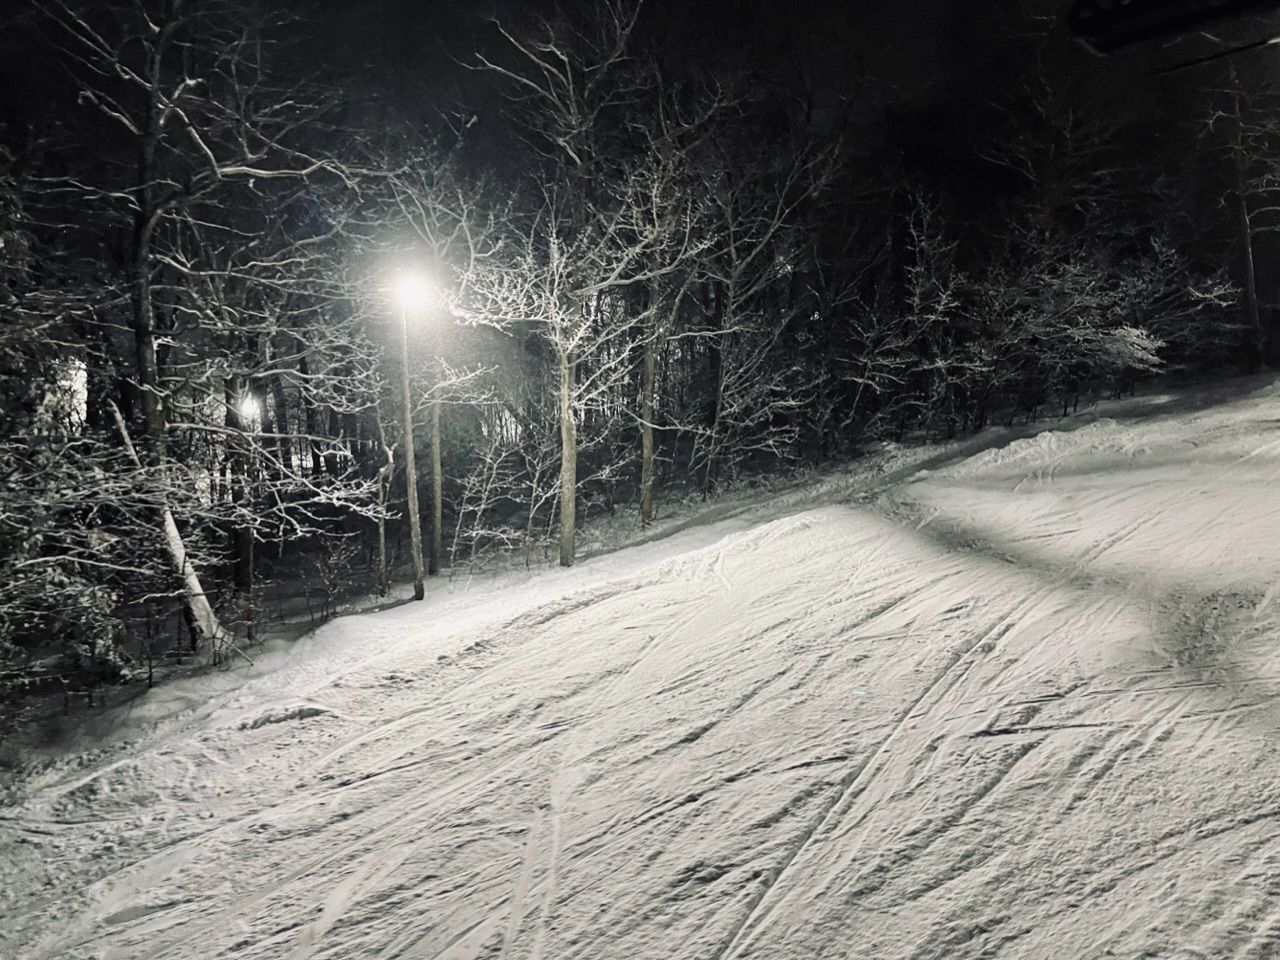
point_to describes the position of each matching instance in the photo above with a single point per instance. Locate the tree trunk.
(311, 420)
(384, 483)
(242, 537)
(1252, 315)
(568, 461)
(715, 380)
(144, 345)
(332, 456)
(202, 618)
(715, 372)
(1245, 227)
(142, 305)
(284, 442)
(648, 380)
(98, 383)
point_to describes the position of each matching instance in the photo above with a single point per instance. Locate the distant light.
(250, 411)
(414, 292)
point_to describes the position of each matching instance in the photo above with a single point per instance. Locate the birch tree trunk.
(203, 619)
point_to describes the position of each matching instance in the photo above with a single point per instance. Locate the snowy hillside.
(1024, 704)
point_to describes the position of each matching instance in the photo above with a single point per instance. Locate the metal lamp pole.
(410, 468)
(437, 481)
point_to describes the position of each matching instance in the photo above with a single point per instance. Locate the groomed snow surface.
(1024, 703)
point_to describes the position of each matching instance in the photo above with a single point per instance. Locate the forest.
(257, 314)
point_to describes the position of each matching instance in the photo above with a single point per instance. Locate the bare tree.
(227, 228)
(582, 241)
(751, 291)
(1243, 120)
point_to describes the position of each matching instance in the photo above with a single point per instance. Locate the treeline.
(665, 281)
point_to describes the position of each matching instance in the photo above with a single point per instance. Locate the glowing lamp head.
(414, 293)
(250, 409)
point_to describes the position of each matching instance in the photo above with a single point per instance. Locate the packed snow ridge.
(1020, 703)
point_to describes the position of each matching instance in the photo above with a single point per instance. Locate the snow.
(1018, 697)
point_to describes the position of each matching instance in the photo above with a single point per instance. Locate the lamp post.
(412, 293)
(437, 484)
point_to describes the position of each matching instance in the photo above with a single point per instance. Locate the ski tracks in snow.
(1028, 708)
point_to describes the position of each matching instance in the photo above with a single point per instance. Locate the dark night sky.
(941, 51)
(946, 60)
(924, 48)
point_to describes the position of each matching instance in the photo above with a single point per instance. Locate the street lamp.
(250, 411)
(413, 294)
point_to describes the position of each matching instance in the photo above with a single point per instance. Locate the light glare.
(414, 292)
(250, 411)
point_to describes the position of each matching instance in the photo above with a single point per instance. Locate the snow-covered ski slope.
(1024, 704)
